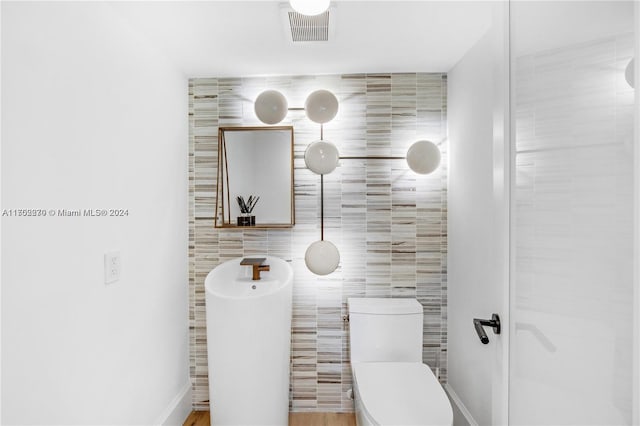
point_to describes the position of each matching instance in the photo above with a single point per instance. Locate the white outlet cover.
(112, 266)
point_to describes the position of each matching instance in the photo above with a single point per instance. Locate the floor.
(201, 418)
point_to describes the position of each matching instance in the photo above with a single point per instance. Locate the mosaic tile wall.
(388, 223)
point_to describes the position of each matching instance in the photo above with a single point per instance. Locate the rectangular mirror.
(255, 177)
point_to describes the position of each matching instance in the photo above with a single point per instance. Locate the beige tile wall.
(388, 223)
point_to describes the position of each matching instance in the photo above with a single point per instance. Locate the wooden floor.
(201, 418)
(322, 419)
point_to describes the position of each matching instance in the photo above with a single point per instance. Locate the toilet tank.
(385, 330)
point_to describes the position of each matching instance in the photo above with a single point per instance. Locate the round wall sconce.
(322, 257)
(321, 157)
(628, 73)
(423, 157)
(271, 107)
(310, 7)
(321, 106)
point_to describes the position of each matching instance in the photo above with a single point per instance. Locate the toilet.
(391, 385)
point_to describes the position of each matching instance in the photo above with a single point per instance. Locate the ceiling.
(248, 38)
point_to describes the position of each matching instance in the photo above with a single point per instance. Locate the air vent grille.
(309, 28)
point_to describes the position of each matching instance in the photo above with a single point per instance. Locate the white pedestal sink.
(249, 341)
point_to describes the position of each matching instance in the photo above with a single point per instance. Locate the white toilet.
(391, 385)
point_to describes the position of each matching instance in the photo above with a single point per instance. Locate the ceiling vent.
(302, 29)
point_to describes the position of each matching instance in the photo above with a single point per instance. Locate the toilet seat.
(401, 393)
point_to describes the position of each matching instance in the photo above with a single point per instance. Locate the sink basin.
(249, 342)
(232, 281)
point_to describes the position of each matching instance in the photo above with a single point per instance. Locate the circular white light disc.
(322, 257)
(321, 157)
(271, 107)
(310, 7)
(628, 73)
(321, 106)
(423, 157)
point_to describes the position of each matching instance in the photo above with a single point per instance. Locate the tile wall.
(388, 223)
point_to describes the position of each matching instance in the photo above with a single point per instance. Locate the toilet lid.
(402, 393)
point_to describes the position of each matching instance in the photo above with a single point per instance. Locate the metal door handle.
(494, 322)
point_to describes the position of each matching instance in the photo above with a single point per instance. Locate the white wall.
(92, 118)
(478, 227)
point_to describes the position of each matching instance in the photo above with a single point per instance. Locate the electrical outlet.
(111, 267)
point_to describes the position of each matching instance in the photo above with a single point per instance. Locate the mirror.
(255, 177)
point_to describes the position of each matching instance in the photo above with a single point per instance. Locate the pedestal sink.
(248, 342)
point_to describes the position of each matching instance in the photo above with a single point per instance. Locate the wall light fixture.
(321, 157)
(271, 107)
(423, 157)
(321, 106)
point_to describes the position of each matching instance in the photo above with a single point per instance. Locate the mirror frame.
(222, 172)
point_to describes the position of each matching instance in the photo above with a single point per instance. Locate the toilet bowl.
(391, 384)
(399, 393)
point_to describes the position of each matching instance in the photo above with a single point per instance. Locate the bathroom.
(112, 109)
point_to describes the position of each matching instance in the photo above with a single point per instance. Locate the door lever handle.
(494, 322)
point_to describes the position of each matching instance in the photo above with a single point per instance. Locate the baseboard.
(178, 409)
(461, 407)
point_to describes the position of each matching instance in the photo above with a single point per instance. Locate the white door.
(573, 223)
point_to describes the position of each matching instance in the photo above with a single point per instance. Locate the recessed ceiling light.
(310, 7)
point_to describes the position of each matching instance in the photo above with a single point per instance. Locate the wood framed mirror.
(255, 177)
